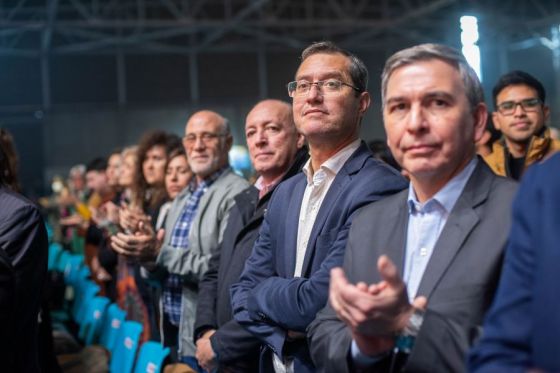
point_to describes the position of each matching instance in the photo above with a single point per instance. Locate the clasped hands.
(374, 313)
(139, 241)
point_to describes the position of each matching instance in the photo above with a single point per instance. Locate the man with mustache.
(285, 280)
(520, 115)
(421, 267)
(194, 228)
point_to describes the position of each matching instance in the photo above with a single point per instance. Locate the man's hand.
(204, 352)
(143, 245)
(374, 313)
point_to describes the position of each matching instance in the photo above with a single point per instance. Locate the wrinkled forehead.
(272, 113)
(204, 124)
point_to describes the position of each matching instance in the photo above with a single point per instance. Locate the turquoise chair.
(151, 357)
(72, 268)
(55, 249)
(83, 295)
(91, 322)
(114, 318)
(62, 261)
(124, 353)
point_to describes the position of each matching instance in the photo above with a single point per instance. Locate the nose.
(518, 110)
(261, 138)
(416, 119)
(199, 143)
(314, 93)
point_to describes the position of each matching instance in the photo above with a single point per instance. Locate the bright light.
(469, 37)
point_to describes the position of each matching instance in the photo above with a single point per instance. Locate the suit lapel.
(461, 222)
(396, 229)
(292, 223)
(353, 165)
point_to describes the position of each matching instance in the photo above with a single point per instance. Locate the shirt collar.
(334, 163)
(447, 196)
(259, 184)
(209, 180)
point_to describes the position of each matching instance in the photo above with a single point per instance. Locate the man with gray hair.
(303, 235)
(438, 245)
(194, 228)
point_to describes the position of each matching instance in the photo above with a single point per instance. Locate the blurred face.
(77, 182)
(96, 181)
(333, 117)
(521, 125)
(177, 175)
(206, 144)
(126, 177)
(113, 166)
(272, 139)
(430, 127)
(153, 167)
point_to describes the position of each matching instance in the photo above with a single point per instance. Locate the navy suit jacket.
(523, 326)
(268, 300)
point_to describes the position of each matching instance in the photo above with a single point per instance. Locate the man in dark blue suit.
(285, 280)
(522, 328)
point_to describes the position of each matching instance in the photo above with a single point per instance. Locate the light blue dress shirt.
(425, 223)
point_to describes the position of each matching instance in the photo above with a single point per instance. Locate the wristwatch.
(405, 340)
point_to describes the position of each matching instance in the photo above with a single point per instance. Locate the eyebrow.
(327, 75)
(429, 95)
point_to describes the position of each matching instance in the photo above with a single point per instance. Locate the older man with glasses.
(520, 115)
(285, 280)
(194, 228)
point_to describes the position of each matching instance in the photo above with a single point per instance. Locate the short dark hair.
(97, 164)
(358, 70)
(518, 77)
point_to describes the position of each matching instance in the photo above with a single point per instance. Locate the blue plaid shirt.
(173, 286)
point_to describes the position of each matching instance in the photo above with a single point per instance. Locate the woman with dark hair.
(149, 184)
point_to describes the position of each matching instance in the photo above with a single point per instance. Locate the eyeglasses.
(327, 87)
(205, 137)
(528, 105)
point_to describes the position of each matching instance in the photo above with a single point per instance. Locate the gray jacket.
(205, 235)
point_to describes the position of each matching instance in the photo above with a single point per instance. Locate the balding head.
(207, 142)
(272, 138)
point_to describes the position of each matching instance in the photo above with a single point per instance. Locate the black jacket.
(23, 271)
(236, 348)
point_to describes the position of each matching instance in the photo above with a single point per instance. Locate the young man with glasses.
(520, 115)
(285, 280)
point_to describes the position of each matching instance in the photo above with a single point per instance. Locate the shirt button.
(423, 251)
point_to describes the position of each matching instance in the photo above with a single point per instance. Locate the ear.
(300, 140)
(496, 120)
(480, 118)
(365, 101)
(546, 113)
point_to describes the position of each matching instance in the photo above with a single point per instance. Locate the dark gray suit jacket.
(459, 281)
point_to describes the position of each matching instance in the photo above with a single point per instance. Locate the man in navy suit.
(285, 280)
(521, 331)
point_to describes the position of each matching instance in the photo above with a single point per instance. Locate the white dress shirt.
(318, 184)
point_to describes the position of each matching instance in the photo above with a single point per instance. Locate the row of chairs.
(103, 322)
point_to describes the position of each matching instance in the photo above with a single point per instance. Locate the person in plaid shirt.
(178, 255)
